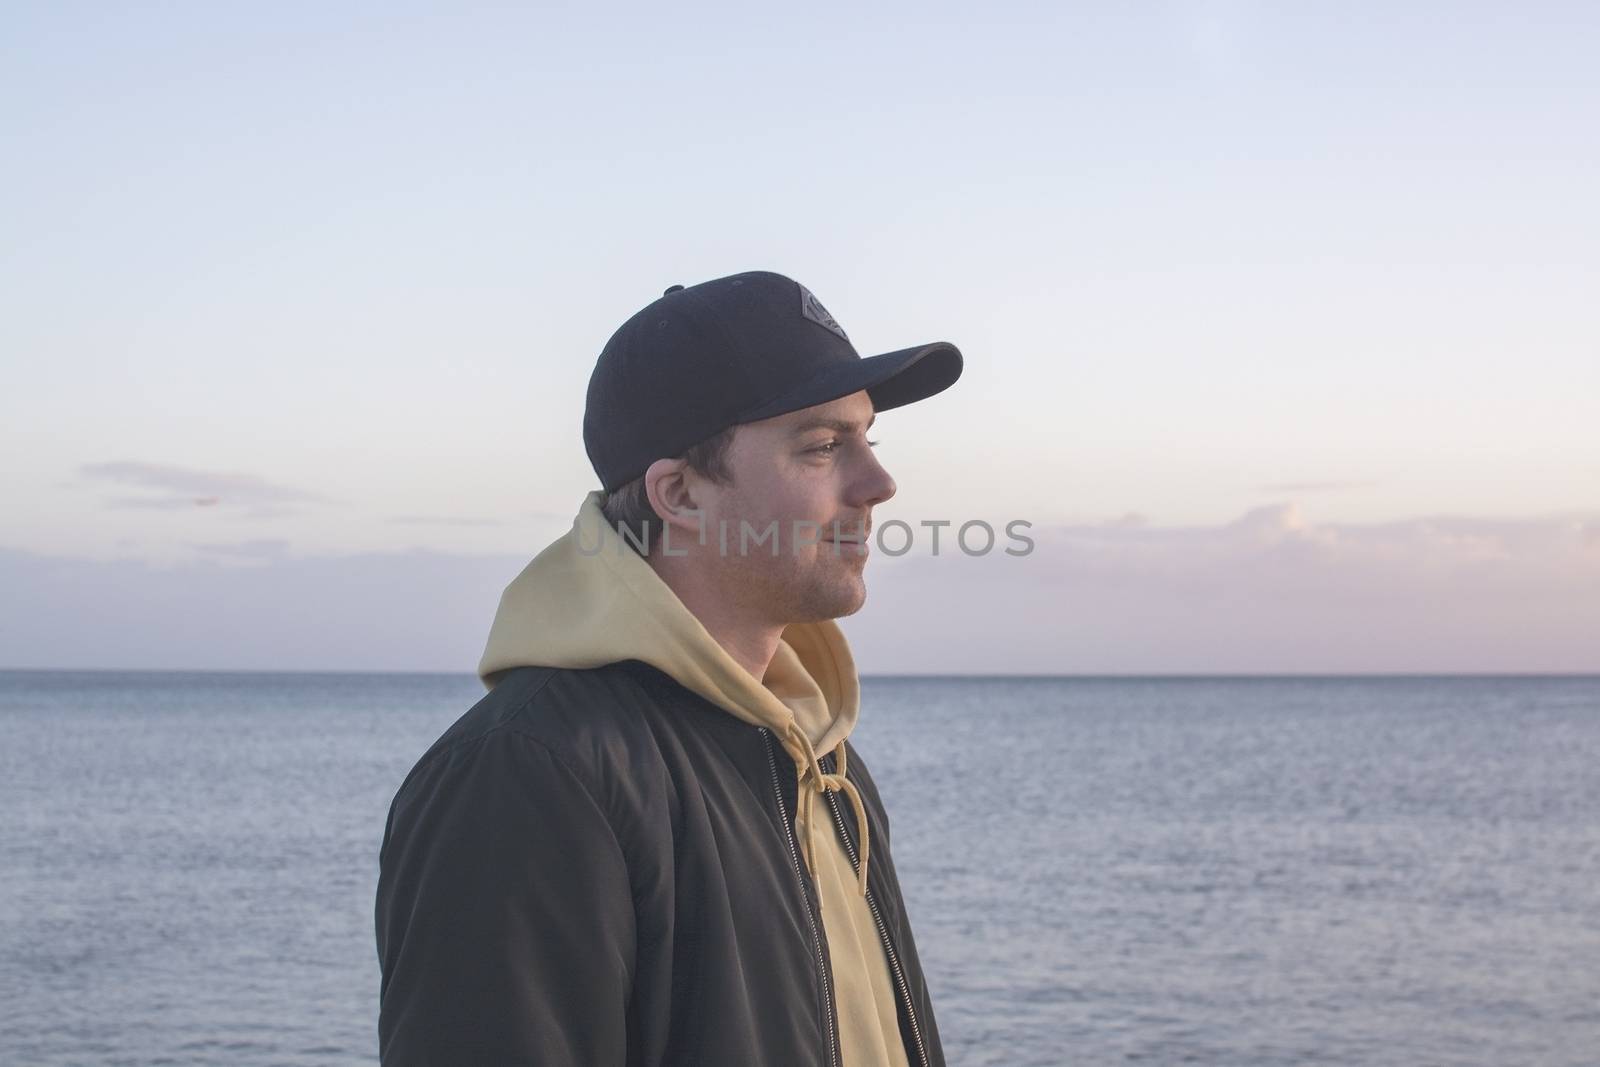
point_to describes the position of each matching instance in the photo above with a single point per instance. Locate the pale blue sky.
(345, 268)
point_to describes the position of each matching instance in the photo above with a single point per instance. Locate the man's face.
(814, 467)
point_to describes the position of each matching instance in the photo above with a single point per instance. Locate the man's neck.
(751, 643)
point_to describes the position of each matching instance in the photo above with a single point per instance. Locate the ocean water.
(1222, 871)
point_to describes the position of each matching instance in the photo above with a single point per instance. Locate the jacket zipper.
(816, 940)
(883, 931)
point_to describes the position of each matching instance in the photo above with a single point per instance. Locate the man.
(651, 842)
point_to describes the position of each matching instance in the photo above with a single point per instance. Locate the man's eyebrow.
(836, 425)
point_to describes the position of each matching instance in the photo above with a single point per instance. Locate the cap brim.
(892, 380)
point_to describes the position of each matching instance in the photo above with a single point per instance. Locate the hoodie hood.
(589, 599)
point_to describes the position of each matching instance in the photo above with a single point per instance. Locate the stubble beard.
(814, 587)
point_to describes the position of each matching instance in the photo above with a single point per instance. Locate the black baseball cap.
(737, 349)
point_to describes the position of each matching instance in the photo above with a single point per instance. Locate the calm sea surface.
(1100, 871)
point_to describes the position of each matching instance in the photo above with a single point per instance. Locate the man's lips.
(842, 536)
(845, 540)
(845, 544)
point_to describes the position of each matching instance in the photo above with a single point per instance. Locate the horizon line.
(884, 675)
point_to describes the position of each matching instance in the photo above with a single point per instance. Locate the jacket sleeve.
(505, 920)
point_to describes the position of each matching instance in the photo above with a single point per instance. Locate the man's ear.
(668, 484)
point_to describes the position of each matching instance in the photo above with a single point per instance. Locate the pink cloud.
(1270, 592)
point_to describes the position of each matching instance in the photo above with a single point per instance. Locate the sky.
(1279, 320)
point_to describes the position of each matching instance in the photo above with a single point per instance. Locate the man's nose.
(876, 484)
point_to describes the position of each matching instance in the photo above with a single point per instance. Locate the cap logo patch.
(812, 309)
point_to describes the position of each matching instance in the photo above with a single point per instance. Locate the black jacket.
(598, 867)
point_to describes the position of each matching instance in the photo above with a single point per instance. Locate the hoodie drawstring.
(813, 782)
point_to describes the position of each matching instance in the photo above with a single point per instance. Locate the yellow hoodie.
(588, 600)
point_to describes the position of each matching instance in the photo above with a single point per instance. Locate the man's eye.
(827, 448)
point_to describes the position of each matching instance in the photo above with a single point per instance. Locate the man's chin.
(835, 601)
(848, 603)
